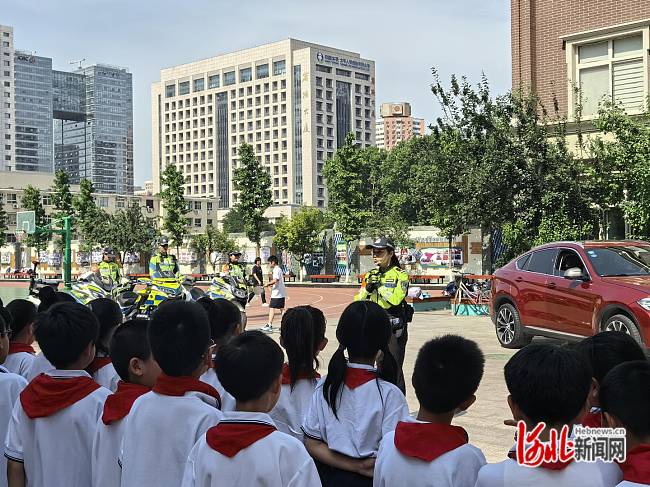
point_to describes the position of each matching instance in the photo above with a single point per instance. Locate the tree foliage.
(63, 203)
(89, 219)
(129, 230)
(212, 241)
(254, 185)
(174, 221)
(32, 201)
(4, 221)
(233, 222)
(300, 234)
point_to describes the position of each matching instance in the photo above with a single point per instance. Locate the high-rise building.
(396, 125)
(7, 109)
(293, 101)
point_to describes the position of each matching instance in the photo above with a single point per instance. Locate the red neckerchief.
(178, 386)
(636, 467)
(118, 405)
(302, 374)
(593, 420)
(427, 441)
(46, 395)
(557, 465)
(17, 347)
(231, 438)
(358, 377)
(98, 363)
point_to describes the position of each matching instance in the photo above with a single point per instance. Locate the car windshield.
(620, 261)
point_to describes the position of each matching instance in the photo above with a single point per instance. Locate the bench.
(17, 275)
(431, 303)
(138, 275)
(287, 277)
(426, 279)
(360, 278)
(52, 275)
(479, 278)
(324, 278)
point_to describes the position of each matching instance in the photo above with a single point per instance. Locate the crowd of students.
(189, 399)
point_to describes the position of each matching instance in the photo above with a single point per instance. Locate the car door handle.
(552, 285)
(519, 279)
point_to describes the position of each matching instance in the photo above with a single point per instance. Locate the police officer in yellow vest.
(107, 268)
(163, 264)
(387, 286)
(234, 268)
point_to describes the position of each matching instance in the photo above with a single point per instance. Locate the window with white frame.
(611, 65)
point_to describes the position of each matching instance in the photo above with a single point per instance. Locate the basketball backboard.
(26, 222)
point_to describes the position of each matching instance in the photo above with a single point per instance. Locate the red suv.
(570, 290)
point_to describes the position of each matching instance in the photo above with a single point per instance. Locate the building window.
(121, 203)
(323, 69)
(262, 71)
(199, 84)
(229, 78)
(184, 88)
(47, 200)
(279, 67)
(343, 72)
(245, 75)
(7, 63)
(213, 82)
(197, 222)
(613, 69)
(103, 202)
(5, 44)
(362, 76)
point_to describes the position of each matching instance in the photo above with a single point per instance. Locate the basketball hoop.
(20, 235)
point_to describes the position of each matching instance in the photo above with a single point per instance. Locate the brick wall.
(538, 60)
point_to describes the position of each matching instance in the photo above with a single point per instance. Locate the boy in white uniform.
(131, 357)
(625, 402)
(165, 423)
(52, 425)
(548, 384)
(245, 449)
(278, 293)
(21, 354)
(11, 385)
(429, 451)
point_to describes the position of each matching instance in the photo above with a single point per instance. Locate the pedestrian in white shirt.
(225, 323)
(21, 354)
(109, 314)
(355, 406)
(11, 385)
(429, 451)
(245, 449)
(51, 430)
(164, 424)
(278, 293)
(132, 358)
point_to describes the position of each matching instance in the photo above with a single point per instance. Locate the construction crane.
(78, 62)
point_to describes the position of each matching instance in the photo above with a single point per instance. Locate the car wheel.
(508, 328)
(624, 324)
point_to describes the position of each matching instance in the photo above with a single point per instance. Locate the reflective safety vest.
(166, 266)
(234, 269)
(391, 291)
(109, 269)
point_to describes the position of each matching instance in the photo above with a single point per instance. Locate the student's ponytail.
(388, 368)
(297, 333)
(336, 375)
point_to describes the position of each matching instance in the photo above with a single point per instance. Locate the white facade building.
(7, 97)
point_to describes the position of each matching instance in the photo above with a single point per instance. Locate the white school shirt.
(228, 402)
(159, 435)
(363, 419)
(11, 385)
(292, 407)
(39, 366)
(55, 449)
(277, 460)
(107, 377)
(456, 468)
(19, 363)
(627, 483)
(278, 291)
(577, 474)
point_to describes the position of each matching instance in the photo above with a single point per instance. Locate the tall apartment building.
(7, 110)
(294, 101)
(396, 124)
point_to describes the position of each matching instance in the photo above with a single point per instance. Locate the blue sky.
(405, 39)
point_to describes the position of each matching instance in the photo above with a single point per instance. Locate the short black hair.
(179, 336)
(607, 349)
(6, 315)
(548, 383)
(625, 393)
(129, 341)
(273, 258)
(64, 331)
(224, 317)
(447, 372)
(109, 314)
(23, 313)
(248, 364)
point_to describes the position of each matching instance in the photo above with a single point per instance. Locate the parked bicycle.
(472, 293)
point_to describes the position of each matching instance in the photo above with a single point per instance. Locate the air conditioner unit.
(197, 211)
(149, 209)
(209, 211)
(14, 206)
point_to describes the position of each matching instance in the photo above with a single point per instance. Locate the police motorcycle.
(159, 289)
(232, 289)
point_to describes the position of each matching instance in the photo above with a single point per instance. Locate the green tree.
(254, 185)
(233, 222)
(63, 203)
(174, 221)
(4, 221)
(32, 201)
(129, 230)
(90, 220)
(347, 203)
(212, 241)
(299, 235)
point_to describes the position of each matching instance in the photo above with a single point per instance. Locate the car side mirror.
(574, 273)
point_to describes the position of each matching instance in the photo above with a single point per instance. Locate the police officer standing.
(163, 264)
(234, 268)
(387, 286)
(107, 268)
